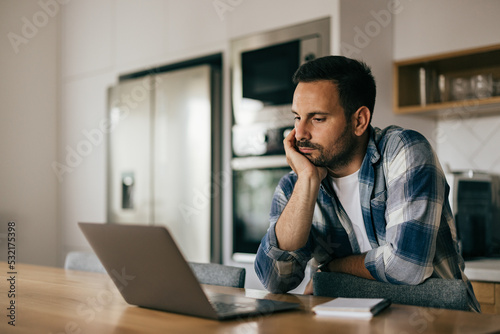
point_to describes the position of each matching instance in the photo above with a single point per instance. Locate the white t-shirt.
(347, 190)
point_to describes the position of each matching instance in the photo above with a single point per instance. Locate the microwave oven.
(475, 201)
(263, 66)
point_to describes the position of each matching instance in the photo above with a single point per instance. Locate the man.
(360, 200)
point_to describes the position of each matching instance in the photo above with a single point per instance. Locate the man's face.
(323, 134)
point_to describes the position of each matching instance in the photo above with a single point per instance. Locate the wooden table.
(54, 301)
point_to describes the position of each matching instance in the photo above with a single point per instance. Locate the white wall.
(428, 27)
(28, 132)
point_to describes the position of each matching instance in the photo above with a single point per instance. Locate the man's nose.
(302, 131)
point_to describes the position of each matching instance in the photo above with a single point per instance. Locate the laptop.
(149, 270)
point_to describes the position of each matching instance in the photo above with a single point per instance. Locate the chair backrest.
(218, 274)
(84, 261)
(434, 292)
(207, 273)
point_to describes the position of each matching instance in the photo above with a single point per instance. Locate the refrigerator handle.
(128, 186)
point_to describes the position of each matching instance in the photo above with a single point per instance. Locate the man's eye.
(319, 119)
(296, 118)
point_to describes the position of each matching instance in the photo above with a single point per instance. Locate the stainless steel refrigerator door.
(129, 152)
(182, 158)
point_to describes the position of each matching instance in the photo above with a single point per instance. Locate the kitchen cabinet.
(466, 81)
(484, 275)
(488, 295)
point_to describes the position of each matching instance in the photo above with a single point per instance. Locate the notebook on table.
(364, 308)
(149, 270)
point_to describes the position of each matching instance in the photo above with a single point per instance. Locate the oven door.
(254, 182)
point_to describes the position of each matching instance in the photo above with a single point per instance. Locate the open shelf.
(465, 80)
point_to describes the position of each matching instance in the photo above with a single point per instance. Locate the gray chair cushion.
(434, 292)
(84, 261)
(218, 274)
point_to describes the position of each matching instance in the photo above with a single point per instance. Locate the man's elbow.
(280, 284)
(409, 276)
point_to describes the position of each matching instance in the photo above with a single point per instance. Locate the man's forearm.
(294, 225)
(353, 264)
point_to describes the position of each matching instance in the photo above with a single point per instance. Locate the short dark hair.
(355, 82)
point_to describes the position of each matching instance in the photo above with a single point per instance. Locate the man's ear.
(361, 120)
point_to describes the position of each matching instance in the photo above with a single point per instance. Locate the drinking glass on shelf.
(496, 87)
(443, 88)
(482, 85)
(460, 89)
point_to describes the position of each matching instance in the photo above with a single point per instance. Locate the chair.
(434, 292)
(84, 261)
(206, 273)
(218, 274)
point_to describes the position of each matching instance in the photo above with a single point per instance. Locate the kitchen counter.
(485, 270)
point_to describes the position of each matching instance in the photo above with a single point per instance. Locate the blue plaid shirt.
(407, 216)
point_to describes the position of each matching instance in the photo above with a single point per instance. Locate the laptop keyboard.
(222, 307)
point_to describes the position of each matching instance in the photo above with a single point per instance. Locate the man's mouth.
(305, 150)
(306, 147)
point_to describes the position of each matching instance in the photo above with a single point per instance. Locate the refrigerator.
(163, 148)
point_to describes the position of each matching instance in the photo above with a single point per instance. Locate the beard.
(333, 157)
